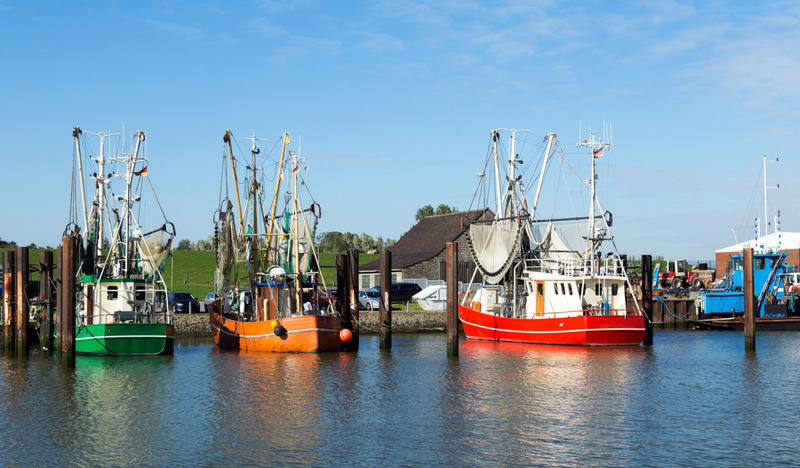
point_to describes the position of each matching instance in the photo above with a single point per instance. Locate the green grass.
(193, 271)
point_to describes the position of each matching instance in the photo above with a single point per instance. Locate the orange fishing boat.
(277, 306)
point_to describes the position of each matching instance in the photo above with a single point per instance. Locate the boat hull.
(304, 334)
(125, 339)
(585, 330)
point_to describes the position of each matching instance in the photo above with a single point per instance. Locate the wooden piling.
(67, 294)
(341, 287)
(9, 294)
(749, 302)
(647, 298)
(451, 275)
(385, 309)
(59, 296)
(352, 293)
(46, 300)
(21, 318)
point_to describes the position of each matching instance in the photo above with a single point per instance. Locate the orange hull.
(304, 334)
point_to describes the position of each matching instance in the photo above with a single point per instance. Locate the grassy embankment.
(197, 269)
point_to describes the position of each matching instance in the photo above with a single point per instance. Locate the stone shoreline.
(414, 321)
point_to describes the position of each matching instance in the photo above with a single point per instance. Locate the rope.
(664, 305)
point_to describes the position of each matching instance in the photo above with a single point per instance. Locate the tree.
(184, 244)
(426, 210)
(445, 209)
(206, 244)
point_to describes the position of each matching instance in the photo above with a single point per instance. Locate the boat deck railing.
(612, 266)
(131, 316)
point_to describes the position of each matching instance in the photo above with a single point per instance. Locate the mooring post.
(23, 277)
(385, 309)
(59, 309)
(341, 293)
(647, 298)
(352, 294)
(67, 293)
(749, 302)
(451, 275)
(9, 293)
(46, 300)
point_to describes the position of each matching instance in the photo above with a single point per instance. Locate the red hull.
(304, 334)
(587, 330)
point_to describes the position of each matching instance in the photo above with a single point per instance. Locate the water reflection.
(497, 404)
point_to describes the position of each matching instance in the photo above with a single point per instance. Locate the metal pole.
(342, 296)
(385, 309)
(452, 298)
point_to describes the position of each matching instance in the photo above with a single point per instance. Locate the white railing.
(577, 267)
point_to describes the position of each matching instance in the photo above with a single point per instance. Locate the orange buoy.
(345, 335)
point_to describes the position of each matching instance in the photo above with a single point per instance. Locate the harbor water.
(694, 398)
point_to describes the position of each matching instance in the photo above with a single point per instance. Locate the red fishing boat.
(546, 281)
(275, 303)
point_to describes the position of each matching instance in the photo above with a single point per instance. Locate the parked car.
(401, 292)
(327, 296)
(183, 302)
(211, 297)
(369, 299)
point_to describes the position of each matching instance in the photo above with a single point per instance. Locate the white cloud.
(175, 28)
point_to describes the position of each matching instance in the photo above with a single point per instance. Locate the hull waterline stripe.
(537, 332)
(112, 337)
(236, 335)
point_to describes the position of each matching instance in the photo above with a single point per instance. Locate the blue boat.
(772, 277)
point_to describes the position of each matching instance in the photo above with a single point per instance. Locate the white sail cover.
(494, 247)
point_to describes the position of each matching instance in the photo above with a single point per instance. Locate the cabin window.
(580, 289)
(563, 290)
(555, 287)
(540, 289)
(139, 293)
(597, 289)
(614, 289)
(759, 264)
(111, 293)
(569, 286)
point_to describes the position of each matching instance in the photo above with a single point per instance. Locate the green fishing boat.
(122, 305)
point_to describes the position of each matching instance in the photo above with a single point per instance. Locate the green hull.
(125, 339)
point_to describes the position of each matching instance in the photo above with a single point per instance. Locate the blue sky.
(393, 102)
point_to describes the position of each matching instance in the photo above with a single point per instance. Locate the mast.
(286, 142)
(76, 132)
(597, 147)
(766, 217)
(295, 235)
(227, 139)
(255, 189)
(551, 137)
(131, 163)
(498, 213)
(100, 184)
